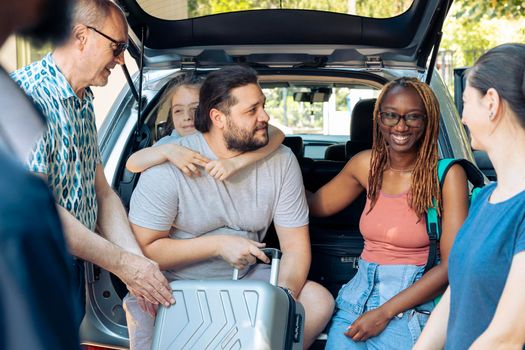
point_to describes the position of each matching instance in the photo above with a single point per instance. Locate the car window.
(315, 109)
(183, 9)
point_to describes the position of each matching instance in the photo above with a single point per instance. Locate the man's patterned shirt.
(68, 152)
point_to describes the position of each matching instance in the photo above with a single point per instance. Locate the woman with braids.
(386, 304)
(484, 307)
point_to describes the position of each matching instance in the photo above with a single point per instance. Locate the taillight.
(93, 347)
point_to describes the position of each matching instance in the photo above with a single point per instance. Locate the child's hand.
(221, 169)
(185, 159)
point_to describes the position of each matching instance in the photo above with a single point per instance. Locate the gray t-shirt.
(171, 138)
(244, 205)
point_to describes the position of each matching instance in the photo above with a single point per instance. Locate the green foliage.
(472, 26)
(200, 8)
(381, 9)
(341, 95)
(468, 33)
(282, 108)
(369, 8)
(476, 10)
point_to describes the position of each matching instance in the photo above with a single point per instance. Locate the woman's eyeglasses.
(413, 120)
(117, 46)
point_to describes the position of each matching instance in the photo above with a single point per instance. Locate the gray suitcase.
(236, 314)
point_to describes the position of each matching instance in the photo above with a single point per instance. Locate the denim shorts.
(370, 288)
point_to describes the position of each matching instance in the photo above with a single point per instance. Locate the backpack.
(475, 177)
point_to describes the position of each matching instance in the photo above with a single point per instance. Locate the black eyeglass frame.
(120, 45)
(408, 122)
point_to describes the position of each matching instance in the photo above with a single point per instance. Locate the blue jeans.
(370, 288)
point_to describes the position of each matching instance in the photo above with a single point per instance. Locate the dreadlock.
(425, 184)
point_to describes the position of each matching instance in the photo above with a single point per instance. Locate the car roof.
(287, 37)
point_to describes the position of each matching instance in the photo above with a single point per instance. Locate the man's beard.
(54, 24)
(241, 140)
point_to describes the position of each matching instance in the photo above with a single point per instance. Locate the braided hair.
(425, 184)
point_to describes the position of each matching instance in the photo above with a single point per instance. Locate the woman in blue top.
(484, 307)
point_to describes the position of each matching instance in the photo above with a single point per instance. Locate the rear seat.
(361, 127)
(346, 221)
(295, 143)
(360, 132)
(343, 227)
(333, 237)
(336, 240)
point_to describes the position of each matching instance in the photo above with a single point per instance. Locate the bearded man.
(201, 228)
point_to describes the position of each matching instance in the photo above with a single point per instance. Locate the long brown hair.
(425, 184)
(188, 80)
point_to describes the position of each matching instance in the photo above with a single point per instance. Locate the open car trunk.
(291, 37)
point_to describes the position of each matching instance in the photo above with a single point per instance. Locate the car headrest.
(354, 147)
(295, 143)
(361, 124)
(335, 152)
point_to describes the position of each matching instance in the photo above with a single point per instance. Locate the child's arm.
(221, 169)
(185, 159)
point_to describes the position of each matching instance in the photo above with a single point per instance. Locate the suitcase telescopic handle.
(275, 256)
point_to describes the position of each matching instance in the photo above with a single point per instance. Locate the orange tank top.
(393, 233)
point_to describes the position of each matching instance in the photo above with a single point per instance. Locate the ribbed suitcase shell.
(242, 314)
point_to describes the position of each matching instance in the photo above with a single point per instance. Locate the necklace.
(409, 170)
(401, 170)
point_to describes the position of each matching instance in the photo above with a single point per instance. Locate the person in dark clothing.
(36, 302)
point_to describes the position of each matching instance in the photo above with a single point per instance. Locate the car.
(320, 71)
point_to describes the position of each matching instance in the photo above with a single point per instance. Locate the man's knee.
(317, 301)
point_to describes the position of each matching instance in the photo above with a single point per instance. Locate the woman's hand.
(185, 159)
(368, 325)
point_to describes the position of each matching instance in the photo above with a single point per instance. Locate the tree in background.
(472, 27)
(477, 10)
(376, 8)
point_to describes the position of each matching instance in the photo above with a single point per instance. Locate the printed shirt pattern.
(68, 152)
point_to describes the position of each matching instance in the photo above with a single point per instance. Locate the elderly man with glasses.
(67, 155)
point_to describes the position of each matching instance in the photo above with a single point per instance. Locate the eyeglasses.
(117, 46)
(413, 120)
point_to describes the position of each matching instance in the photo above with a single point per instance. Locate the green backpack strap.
(433, 220)
(474, 176)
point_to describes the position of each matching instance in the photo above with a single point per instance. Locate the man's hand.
(241, 252)
(368, 325)
(184, 158)
(221, 169)
(143, 277)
